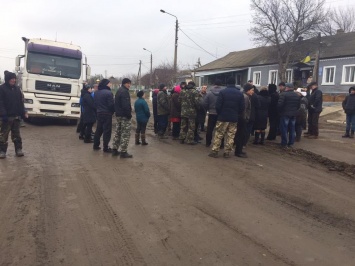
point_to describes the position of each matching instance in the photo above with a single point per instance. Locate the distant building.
(336, 66)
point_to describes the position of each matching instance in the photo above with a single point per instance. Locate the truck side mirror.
(17, 61)
(88, 72)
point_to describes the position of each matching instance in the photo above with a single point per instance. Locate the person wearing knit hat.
(123, 116)
(126, 81)
(229, 106)
(105, 108)
(142, 116)
(175, 112)
(12, 110)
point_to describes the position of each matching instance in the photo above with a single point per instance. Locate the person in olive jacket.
(314, 110)
(123, 115)
(349, 109)
(142, 116)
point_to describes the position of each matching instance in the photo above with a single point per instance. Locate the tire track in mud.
(120, 239)
(311, 210)
(246, 237)
(207, 210)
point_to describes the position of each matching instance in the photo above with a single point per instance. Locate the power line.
(197, 44)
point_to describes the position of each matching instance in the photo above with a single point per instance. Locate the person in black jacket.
(349, 109)
(274, 119)
(88, 113)
(229, 105)
(261, 116)
(12, 110)
(288, 105)
(254, 100)
(104, 105)
(155, 109)
(123, 115)
(314, 108)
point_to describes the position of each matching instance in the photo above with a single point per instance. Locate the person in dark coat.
(254, 100)
(142, 116)
(123, 110)
(88, 113)
(315, 108)
(155, 109)
(229, 106)
(288, 105)
(210, 106)
(175, 112)
(12, 110)
(261, 116)
(105, 108)
(242, 122)
(274, 119)
(349, 109)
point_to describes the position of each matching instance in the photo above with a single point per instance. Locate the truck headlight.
(75, 105)
(30, 101)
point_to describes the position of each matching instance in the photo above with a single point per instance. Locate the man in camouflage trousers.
(123, 111)
(190, 101)
(12, 110)
(229, 105)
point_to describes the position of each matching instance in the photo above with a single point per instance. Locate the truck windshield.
(53, 65)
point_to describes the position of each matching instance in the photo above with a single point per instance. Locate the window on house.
(348, 74)
(328, 75)
(256, 78)
(273, 76)
(289, 76)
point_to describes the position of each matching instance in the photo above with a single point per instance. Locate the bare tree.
(339, 19)
(281, 22)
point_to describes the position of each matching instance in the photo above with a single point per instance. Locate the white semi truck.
(51, 78)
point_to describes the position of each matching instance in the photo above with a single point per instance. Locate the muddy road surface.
(65, 204)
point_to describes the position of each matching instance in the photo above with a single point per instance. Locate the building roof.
(335, 46)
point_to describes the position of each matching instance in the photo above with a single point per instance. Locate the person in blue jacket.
(142, 116)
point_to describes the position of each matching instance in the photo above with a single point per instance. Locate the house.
(336, 64)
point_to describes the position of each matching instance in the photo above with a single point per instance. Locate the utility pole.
(176, 46)
(316, 64)
(139, 74)
(151, 67)
(176, 42)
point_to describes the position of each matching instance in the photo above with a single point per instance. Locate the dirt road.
(65, 204)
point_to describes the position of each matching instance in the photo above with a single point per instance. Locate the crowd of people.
(234, 115)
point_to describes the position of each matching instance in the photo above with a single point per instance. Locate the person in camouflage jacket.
(190, 101)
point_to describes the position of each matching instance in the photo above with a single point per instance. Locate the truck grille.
(53, 87)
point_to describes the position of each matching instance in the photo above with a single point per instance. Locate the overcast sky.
(112, 33)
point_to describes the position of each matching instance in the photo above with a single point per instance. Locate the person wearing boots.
(288, 105)
(315, 108)
(175, 112)
(104, 105)
(163, 111)
(88, 113)
(123, 115)
(142, 117)
(12, 109)
(349, 109)
(261, 115)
